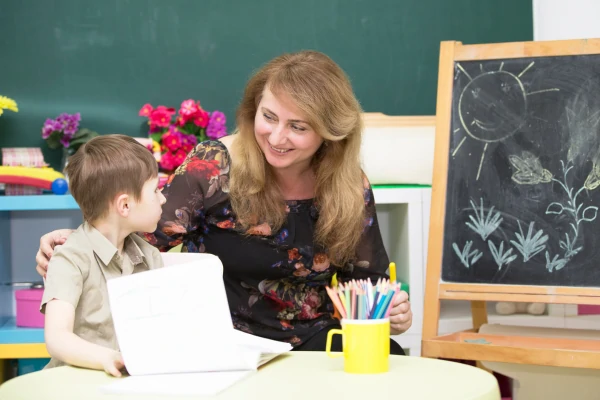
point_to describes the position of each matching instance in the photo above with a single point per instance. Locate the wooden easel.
(472, 345)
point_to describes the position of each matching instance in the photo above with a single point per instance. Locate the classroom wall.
(561, 20)
(107, 58)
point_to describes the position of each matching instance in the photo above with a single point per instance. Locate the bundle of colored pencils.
(363, 300)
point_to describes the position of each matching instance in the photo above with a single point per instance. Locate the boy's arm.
(63, 344)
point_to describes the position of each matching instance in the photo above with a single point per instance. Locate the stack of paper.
(175, 331)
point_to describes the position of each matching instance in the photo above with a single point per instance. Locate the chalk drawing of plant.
(531, 244)
(555, 263)
(482, 224)
(466, 253)
(572, 209)
(500, 256)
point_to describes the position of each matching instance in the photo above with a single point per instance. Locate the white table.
(296, 375)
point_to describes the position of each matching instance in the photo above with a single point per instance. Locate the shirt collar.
(106, 251)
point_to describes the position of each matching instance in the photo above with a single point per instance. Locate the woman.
(283, 203)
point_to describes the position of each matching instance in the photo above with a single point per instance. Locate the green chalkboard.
(106, 58)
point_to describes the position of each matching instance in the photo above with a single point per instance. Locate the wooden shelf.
(515, 349)
(38, 202)
(456, 316)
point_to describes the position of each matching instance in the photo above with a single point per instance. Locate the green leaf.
(54, 141)
(156, 136)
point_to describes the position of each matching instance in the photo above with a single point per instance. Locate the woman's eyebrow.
(265, 109)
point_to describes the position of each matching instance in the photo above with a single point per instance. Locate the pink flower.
(172, 141)
(160, 118)
(201, 118)
(187, 148)
(179, 157)
(188, 109)
(168, 110)
(146, 110)
(167, 161)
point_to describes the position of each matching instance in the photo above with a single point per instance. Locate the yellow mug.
(365, 343)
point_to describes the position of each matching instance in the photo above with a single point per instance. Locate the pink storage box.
(28, 308)
(586, 309)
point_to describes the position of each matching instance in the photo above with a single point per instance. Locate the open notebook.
(175, 331)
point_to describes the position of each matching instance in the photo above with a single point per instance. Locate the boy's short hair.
(105, 167)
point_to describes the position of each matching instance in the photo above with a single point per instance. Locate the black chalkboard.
(523, 185)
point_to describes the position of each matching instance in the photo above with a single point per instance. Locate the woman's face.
(283, 134)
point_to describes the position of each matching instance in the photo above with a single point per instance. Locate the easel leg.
(479, 315)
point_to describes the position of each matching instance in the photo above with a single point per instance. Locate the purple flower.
(48, 128)
(69, 122)
(217, 117)
(174, 131)
(71, 128)
(189, 140)
(63, 118)
(65, 126)
(65, 141)
(216, 125)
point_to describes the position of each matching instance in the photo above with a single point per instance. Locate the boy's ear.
(123, 203)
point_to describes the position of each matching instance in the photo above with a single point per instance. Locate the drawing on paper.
(493, 107)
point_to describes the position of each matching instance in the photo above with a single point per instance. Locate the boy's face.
(145, 213)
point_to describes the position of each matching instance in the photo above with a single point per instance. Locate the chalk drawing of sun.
(492, 107)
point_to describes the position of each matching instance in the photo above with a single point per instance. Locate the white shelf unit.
(403, 215)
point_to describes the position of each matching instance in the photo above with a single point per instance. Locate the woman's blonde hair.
(322, 91)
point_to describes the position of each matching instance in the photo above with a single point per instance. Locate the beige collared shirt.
(77, 274)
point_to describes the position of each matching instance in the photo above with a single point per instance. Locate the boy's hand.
(113, 363)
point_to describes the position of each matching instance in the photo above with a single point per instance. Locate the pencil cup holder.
(365, 343)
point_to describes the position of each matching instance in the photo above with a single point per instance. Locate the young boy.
(114, 179)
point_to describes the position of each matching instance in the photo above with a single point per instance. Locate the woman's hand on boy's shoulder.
(47, 244)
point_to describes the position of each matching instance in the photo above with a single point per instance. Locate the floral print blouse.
(275, 281)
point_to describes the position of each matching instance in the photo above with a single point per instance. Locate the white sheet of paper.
(177, 320)
(174, 319)
(200, 384)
